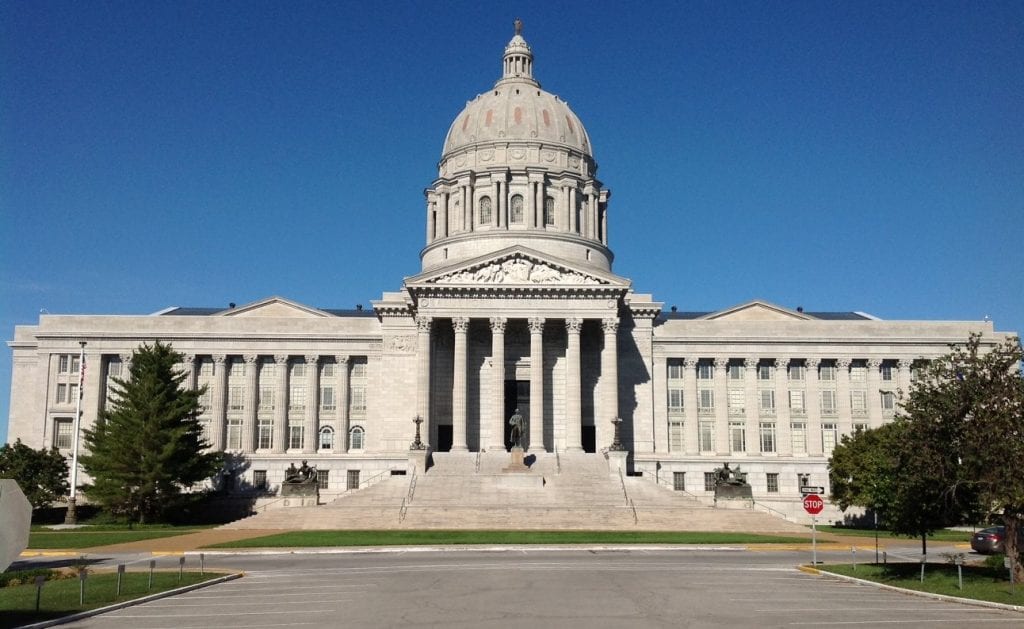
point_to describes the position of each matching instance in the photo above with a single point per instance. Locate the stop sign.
(813, 504)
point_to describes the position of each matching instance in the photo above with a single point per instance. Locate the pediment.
(275, 307)
(517, 266)
(757, 311)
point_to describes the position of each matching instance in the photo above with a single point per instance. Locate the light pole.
(71, 517)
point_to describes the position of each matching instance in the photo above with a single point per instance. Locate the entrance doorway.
(517, 395)
(589, 439)
(444, 437)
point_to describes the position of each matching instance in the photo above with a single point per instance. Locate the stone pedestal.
(516, 464)
(418, 460)
(617, 461)
(304, 494)
(729, 496)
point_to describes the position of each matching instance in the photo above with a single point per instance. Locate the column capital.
(721, 363)
(812, 363)
(312, 359)
(498, 324)
(572, 326)
(843, 363)
(904, 363)
(750, 362)
(186, 359)
(460, 324)
(423, 323)
(875, 363)
(251, 358)
(281, 359)
(782, 363)
(536, 325)
(610, 325)
(219, 359)
(341, 359)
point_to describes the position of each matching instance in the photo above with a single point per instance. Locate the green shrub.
(19, 577)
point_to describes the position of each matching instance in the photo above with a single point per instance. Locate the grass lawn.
(980, 582)
(942, 535)
(99, 536)
(407, 538)
(60, 598)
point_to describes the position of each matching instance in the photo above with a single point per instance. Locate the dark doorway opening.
(517, 395)
(589, 439)
(444, 437)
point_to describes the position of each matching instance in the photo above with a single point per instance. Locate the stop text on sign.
(813, 504)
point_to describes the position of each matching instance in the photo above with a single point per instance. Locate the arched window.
(356, 437)
(485, 210)
(516, 209)
(549, 210)
(326, 438)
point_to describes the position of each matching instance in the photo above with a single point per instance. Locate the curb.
(131, 603)
(351, 550)
(939, 597)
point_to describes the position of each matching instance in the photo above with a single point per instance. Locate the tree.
(148, 445)
(41, 474)
(970, 402)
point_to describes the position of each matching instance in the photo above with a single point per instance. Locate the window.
(297, 398)
(72, 392)
(675, 401)
(205, 367)
(828, 402)
(796, 370)
(357, 401)
(265, 436)
(675, 370)
(796, 401)
(773, 482)
(798, 431)
(323, 479)
(827, 370)
(234, 437)
(767, 436)
(549, 211)
(767, 400)
(259, 480)
(114, 367)
(709, 481)
(62, 393)
(829, 437)
(707, 399)
(485, 211)
(675, 436)
(266, 398)
(737, 436)
(707, 436)
(737, 399)
(298, 370)
(63, 363)
(888, 401)
(352, 479)
(858, 371)
(859, 427)
(705, 370)
(858, 402)
(295, 436)
(327, 398)
(734, 371)
(887, 372)
(515, 214)
(357, 388)
(355, 438)
(327, 370)
(236, 397)
(326, 438)
(63, 427)
(679, 481)
(765, 371)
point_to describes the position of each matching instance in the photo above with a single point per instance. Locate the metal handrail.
(622, 480)
(769, 509)
(412, 487)
(476, 468)
(558, 463)
(636, 518)
(402, 510)
(665, 482)
(376, 477)
(263, 507)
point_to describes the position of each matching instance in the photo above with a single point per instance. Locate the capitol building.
(516, 306)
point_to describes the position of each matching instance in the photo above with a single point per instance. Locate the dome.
(517, 110)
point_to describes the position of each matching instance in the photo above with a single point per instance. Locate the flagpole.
(71, 517)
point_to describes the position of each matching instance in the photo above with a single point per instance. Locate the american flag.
(81, 378)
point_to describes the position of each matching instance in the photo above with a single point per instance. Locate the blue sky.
(832, 155)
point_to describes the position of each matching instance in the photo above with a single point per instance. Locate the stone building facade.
(515, 307)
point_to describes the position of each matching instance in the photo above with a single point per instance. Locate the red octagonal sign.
(813, 504)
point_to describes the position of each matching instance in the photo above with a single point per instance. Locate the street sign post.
(811, 489)
(813, 504)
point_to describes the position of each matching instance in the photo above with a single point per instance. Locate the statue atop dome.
(518, 24)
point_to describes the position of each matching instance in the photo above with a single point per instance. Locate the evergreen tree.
(41, 474)
(147, 446)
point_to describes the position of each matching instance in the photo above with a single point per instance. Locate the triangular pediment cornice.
(757, 310)
(516, 269)
(274, 307)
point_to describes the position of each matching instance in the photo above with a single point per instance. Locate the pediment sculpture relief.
(516, 271)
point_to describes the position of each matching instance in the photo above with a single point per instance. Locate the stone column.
(691, 416)
(874, 393)
(784, 435)
(464, 192)
(280, 404)
(461, 326)
(721, 388)
(610, 380)
(531, 206)
(497, 384)
(573, 217)
(573, 416)
(188, 366)
(251, 389)
(903, 366)
(659, 378)
(341, 441)
(309, 440)
(423, 326)
(220, 394)
(442, 216)
(752, 405)
(844, 412)
(536, 436)
(430, 221)
(812, 401)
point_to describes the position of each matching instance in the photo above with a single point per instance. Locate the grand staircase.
(472, 491)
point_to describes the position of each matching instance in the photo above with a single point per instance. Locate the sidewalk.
(182, 543)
